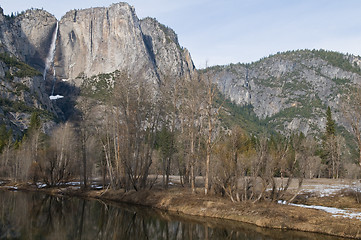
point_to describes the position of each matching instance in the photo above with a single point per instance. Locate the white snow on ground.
(12, 187)
(55, 97)
(73, 183)
(324, 190)
(41, 185)
(336, 212)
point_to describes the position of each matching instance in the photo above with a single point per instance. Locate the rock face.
(22, 88)
(288, 91)
(291, 91)
(168, 57)
(27, 36)
(102, 40)
(90, 42)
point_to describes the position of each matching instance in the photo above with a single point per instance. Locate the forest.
(141, 134)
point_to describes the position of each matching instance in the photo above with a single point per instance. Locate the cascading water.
(50, 62)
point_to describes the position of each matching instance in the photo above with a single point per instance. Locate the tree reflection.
(38, 216)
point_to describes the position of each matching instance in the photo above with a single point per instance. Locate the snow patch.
(12, 188)
(328, 190)
(55, 97)
(73, 183)
(336, 212)
(41, 185)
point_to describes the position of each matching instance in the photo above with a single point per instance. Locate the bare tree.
(191, 126)
(211, 115)
(84, 123)
(227, 166)
(335, 147)
(304, 151)
(138, 122)
(61, 161)
(352, 111)
(264, 166)
(170, 99)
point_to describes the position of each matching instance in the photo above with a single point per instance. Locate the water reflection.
(37, 216)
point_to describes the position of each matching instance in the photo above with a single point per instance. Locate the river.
(29, 215)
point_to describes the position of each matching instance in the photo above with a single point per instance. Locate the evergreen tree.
(3, 136)
(330, 123)
(35, 122)
(333, 146)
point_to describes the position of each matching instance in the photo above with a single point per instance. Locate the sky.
(231, 31)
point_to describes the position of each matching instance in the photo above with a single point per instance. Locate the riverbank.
(178, 200)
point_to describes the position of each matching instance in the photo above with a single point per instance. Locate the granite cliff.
(22, 87)
(291, 91)
(103, 40)
(87, 43)
(287, 91)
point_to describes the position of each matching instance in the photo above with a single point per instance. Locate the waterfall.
(50, 61)
(50, 58)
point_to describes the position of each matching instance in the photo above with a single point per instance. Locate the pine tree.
(35, 122)
(332, 146)
(330, 123)
(3, 136)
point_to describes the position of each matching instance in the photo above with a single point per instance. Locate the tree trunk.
(83, 148)
(209, 140)
(208, 160)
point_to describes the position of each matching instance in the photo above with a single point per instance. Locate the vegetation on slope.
(99, 87)
(18, 68)
(237, 115)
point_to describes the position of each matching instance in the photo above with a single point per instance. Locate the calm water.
(26, 215)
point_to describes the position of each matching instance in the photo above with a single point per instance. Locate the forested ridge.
(134, 111)
(138, 134)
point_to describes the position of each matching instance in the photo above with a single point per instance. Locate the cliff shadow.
(37, 57)
(66, 104)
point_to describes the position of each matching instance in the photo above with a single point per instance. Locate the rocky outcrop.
(291, 91)
(24, 38)
(103, 40)
(90, 42)
(169, 58)
(22, 91)
(28, 36)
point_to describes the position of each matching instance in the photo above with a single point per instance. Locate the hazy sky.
(231, 31)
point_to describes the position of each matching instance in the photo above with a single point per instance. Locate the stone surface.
(89, 42)
(28, 36)
(24, 38)
(102, 40)
(291, 90)
(169, 58)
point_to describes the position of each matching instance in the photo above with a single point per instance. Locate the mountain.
(86, 51)
(290, 91)
(103, 40)
(22, 87)
(77, 52)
